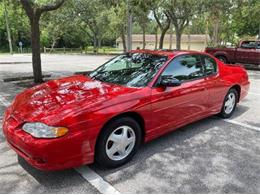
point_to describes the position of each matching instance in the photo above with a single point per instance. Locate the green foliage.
(85, 23)
(57, 29)
(246, 16)
(19, 25)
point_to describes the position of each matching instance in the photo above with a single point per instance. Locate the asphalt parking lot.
(210, 156)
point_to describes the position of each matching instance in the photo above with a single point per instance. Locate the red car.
(106, 115)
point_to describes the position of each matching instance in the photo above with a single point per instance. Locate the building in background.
(192, 42)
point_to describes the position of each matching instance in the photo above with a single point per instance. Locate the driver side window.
(185, 67)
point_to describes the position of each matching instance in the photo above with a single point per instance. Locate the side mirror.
(169, 81)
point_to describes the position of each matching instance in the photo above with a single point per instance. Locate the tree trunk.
(144, 43)
(171, 32)
(95, 44)
(259, 33)
(36, 50)
(163, 28)
(54, 40)
(123, 41)
(8, 29)
(189, 40)
(99, 43)
(162, 38)
(215, 32)
(34, 14)
(206, 33)
(156, 38)
(178, 39)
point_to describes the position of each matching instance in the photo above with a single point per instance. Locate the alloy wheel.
(230, 103)
(120, 143)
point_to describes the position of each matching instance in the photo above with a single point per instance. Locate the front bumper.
(72, 150)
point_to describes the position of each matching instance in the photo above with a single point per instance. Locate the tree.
(18, 24)
(8, 29)
(163, 21)
(34, 10)
(56, 27)
(218, 15)
(181, 12)
(141, 10)
(118, 18)
(246, 18)
(93, 14)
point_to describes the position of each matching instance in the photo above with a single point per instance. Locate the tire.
(223, 59)
(229, 108)
(113, 140)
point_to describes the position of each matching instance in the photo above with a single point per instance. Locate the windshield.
(131, 69)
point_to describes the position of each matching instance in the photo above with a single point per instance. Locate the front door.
(175, 106)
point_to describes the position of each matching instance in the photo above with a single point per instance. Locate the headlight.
(41, 130)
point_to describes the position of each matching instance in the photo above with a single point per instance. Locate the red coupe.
(105, 116)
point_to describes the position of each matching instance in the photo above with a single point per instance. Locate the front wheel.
(229, 104)
(118, 142)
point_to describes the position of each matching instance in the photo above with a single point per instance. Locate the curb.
(23, 78)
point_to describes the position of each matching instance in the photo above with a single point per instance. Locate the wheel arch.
(134, 115)
(238, 89)
(223, 56)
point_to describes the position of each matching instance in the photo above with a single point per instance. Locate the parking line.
(91, 176)
(252, 93)
(95, 180)
(243, 124)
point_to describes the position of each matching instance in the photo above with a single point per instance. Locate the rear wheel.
(223, 59)
(229, 104)
(118, 142)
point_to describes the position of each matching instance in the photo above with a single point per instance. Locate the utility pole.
(8, 29)
(129, 26)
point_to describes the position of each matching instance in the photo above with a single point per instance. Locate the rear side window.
(258, 45)
(248, 44)
(184, 68)
(210, 65)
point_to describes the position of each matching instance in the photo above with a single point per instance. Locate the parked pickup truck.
(247, 52)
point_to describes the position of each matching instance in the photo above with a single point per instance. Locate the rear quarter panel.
(235, 75)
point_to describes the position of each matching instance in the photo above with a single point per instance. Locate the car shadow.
(240, 110)
(57, 181)
(208, 156)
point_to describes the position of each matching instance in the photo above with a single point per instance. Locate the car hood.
(56, 99)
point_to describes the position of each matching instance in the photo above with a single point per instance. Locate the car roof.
(166, 52)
